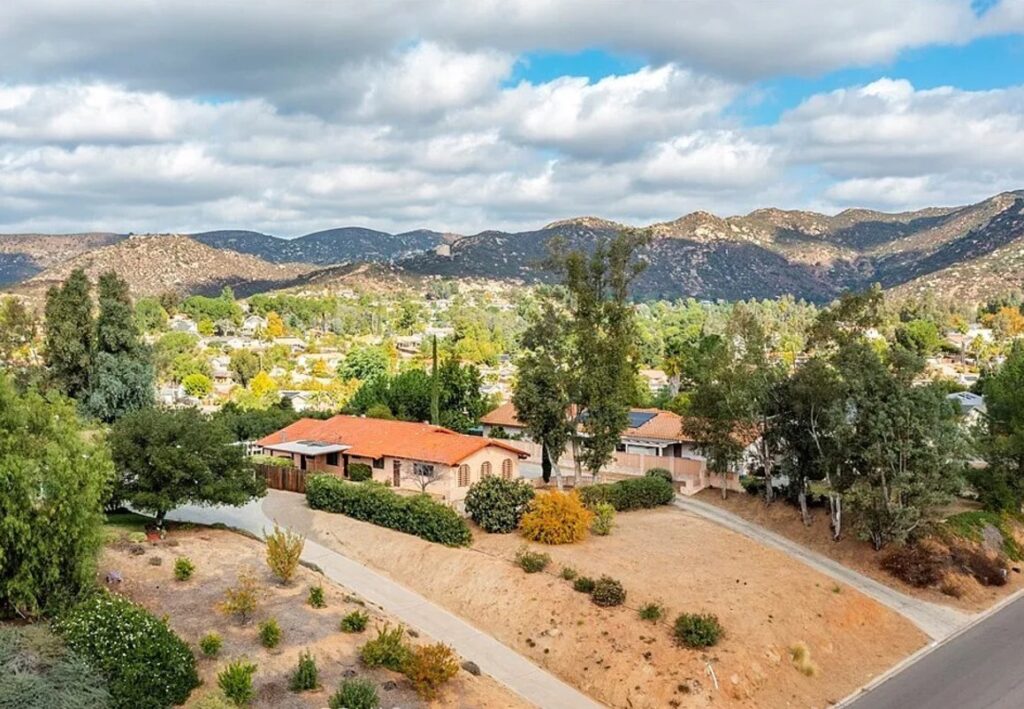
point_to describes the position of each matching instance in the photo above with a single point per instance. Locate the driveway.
(494, 658)
(937, 621)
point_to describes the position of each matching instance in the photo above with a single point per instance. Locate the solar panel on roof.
(639, 418)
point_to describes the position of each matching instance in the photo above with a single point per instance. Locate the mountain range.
(969, 252)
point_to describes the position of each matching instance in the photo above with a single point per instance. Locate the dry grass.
(800, 654)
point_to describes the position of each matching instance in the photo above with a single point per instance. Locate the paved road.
(937, 621)
(983, 668)
(495, 659)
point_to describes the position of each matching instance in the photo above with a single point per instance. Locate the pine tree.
(69, 334)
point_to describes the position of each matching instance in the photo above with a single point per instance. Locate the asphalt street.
(983, 668)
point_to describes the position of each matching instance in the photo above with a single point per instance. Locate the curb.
(913, 659)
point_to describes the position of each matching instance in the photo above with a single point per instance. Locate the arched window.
(485, 469)
(463, 475)
(506, 468)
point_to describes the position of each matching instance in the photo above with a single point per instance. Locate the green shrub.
(372, 502)
(316, 597)
(37, 671)
(271, 460)
(608, 592)
(584, 584)
(531, 561)
(604, 519)
(630, 494)
(662, 473)
(388, 649)
(306, 675)
(355, 622)
(235, 680)
(497, 504)
(697, 630)
(429, 667)
(144, 662)
(270, 633)
(183, 568)
(651, 612)
(284, 549)
(359, 472)
(210, 644)
(355, 693)
(568, 573)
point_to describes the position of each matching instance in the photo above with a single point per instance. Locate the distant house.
(400, 454)
(655, 378)
(295, 344)
(653, 439)
(971, 405)
(253, 324)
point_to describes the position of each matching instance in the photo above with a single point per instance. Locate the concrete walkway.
(937, 621)
(495, 659)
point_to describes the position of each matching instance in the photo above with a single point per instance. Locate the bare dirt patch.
(854, 553)
(219, 556)
(767, 603)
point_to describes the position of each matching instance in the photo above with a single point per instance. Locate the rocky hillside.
(972, 252)
(155, 264)
(24, 255)
(332, 246)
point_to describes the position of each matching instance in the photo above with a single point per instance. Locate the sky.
(290, 116)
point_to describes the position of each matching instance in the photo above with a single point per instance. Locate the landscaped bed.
(791, 636)
(218, 558)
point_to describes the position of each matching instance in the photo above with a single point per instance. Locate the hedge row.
(630, 494)
(372, 502)
(145, 664)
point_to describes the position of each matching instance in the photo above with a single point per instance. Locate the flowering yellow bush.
(556, 518)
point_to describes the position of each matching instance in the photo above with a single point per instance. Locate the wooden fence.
(283, 478)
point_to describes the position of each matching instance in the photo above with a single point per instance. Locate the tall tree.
(121, 379)
(17, 328)
(168, 458)
(1001, 485)
(69, 333)
(51, 507)
(244, 364)
(435, 384)
(543, 382)
(604, 340)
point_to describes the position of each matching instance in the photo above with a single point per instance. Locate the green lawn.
(122, 523)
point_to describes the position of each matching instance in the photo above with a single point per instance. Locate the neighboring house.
(401, 454)
(253, 324)
(655, 378)
(294, 343)
(653, 439)
(972, 406)
(409, 344)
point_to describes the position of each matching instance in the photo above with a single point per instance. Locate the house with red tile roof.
(401, 454)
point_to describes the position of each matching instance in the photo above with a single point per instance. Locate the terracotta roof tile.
(376, 438)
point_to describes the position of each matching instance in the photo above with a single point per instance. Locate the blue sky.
(298, 115)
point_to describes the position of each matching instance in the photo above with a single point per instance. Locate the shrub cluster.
(630, 494)
(284, 548)
(38, 672)
(697, 630)
(235, 680)
(532, 561)
(355, 693)
(144, 662)
(210, 644)
(355, 622)
(584, 584)
(241, 600)
(183, 568)
(374, 503)
(306, 676)
(270, 633)
(359, 472)
(556, 518)
(497, 504)
(568, 573)
(662, 473)
(919, 565)
(651, 612)
(608, 592)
